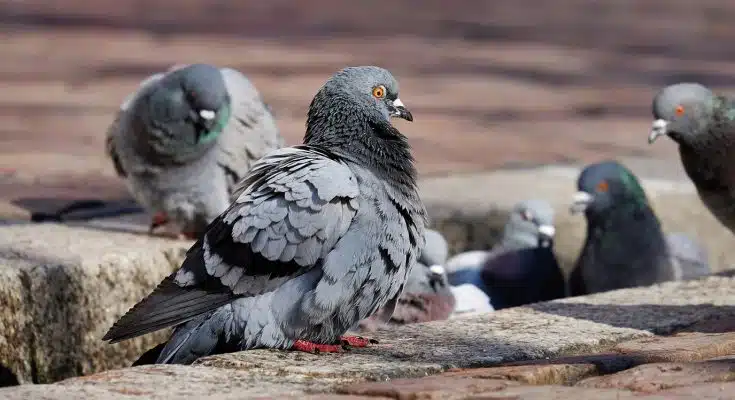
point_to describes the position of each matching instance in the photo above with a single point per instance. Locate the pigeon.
(521, 268)
(625, 244)
(427, 295)
(703, 125)
(688, 256)
(320, 236)
(185, 138)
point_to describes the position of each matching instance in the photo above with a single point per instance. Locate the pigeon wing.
(291, 209)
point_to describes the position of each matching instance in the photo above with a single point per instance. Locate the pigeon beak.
(397, 109)
(580, 202)
(207, 114)
(658, 128)
(547, 230)
(546, 235)
(437, 269)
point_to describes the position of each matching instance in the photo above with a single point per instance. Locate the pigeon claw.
(357, 341)
(310, 347)
(159, 219)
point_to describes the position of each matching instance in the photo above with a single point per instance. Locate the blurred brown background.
(491, 83)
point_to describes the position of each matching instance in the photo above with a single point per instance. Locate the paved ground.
(491, 84)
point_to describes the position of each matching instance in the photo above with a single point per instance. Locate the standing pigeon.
(185, 138)
(426, 295)
(522, 268)
(703, 124)
(320, 236)
(625, 245)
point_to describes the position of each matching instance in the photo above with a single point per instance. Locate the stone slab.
(537, 332)
(63, 287)
(707, 391)
(659, 376)
(442, 387)
(549, 374)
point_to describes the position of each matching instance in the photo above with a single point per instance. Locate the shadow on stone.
(7, 377)
(657, 319)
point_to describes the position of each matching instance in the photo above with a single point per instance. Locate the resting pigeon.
(427, 295)
(522, 268)
(625, 244)
(703, 124)
(321, 236)
(185, 138)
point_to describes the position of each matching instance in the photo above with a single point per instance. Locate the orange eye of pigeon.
(602, 186)
(679, 110)
(379, 92)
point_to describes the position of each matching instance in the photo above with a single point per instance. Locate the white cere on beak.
(580, 201)
(398, 103)
(547, 230)
(658, 128)
(207, 114)
(437, 269)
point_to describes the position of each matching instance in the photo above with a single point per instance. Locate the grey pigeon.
(703, 125)
(320, 237)
(522, 267)
(688, 256)
(625, 245)
(427, 295)
(185, 138)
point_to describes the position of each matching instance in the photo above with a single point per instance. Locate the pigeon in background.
(688, 256)
(427, 295)
(185, 138)
(522, 267)
(320, 236)
(703, 125)
(625, 245)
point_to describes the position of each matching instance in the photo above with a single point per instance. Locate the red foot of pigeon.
(309, 347)
(158, 219)
(357, 341)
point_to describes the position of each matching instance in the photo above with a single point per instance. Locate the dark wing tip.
(168, 305)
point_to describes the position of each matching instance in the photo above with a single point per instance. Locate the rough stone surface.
(658, 376)
(443, 387)
(550, 374)
(707, 391)
(681, 347)
(615, 329)
(63, 287)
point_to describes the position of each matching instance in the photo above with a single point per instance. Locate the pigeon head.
(197, 95)
(605, 186)
(354, 96)
(531, 224)
(426, 279)
(436, 250)
(681, 111)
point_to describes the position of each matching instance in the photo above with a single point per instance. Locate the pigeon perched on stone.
(426, 295)
(522, 267)
(625, 244)
(320, 236)
(703, 125)
(185, 138)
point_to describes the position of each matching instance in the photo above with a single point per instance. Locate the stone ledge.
(540, 332)
(61, 288)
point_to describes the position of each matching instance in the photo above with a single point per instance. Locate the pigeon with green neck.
(625, 244)
(184, 138)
